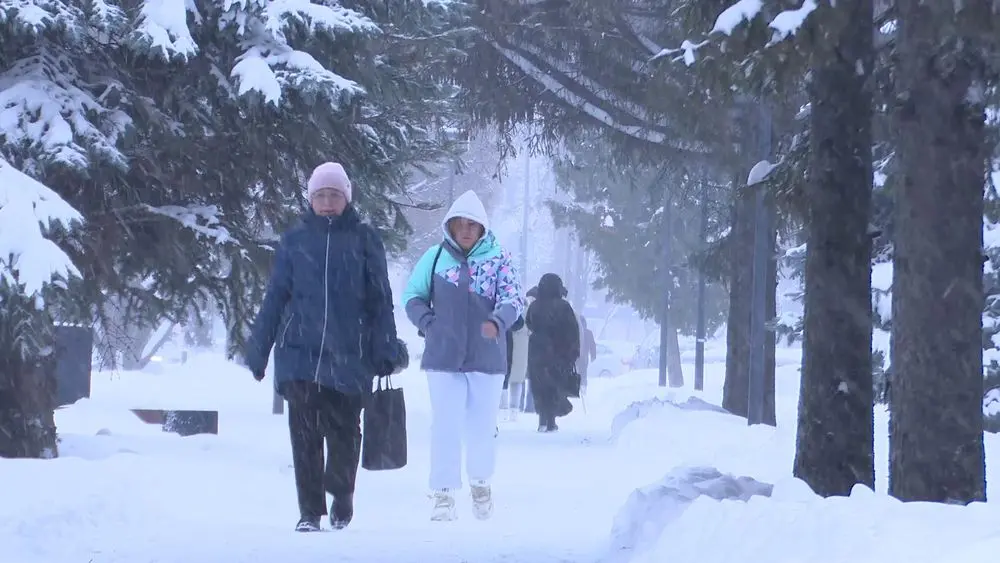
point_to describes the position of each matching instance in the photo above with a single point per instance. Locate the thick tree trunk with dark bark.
(936, 429)
(835, 443)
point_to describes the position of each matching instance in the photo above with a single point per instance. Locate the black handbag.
(430, 290)
(383, 443)
(573, 383)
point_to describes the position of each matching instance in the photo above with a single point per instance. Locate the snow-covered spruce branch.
(783, 25)
(162, 28)
(55, 114)
(457, 32)
(577, 101)
(599, 91)
(202, 219)
(631, 24)
(27, 209)
(269, 63)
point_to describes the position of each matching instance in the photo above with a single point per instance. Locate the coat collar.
(347, 219)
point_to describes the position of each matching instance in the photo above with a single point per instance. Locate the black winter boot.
(341, 511)
(308, 525)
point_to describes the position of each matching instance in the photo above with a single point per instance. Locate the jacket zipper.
(469, 297)
(326, 306)
(288, 324)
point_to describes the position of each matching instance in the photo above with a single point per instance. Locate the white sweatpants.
(463, 405)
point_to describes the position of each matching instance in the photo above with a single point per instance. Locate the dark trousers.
(548, 389)
(317, 414)
(529, 396)
(544, 394)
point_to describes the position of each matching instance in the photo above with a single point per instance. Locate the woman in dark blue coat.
(328, 314)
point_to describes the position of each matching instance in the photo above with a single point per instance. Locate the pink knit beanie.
(329, 175)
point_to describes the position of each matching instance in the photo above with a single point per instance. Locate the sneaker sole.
(483, 514)
(444, 518)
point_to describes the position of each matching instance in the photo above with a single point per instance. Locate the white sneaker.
(482, 500)
(444, 506)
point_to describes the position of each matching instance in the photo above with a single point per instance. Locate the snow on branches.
(268, 32)
(35, 16)
(28, 260)
(785, 24)
(202, 219)
(46, 108)
(270, 63)
(163, 28)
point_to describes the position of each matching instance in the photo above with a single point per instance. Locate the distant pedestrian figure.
(553, 349)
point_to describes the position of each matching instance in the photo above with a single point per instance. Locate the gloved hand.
(400, 361)
(402, 356)
(258, 374)
(384, 368)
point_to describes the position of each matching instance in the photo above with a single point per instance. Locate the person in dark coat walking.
(553, 349)
(328, 313)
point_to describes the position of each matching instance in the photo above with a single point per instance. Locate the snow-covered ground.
(125, 492)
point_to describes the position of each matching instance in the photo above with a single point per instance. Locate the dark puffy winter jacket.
(328, 310)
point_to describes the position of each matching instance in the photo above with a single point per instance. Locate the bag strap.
(430, 291)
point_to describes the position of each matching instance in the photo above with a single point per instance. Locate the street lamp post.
(699, 345)
(668, 285)
(761, 257)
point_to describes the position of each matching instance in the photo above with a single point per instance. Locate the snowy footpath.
(642, 476)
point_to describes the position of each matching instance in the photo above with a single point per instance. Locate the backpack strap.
(430, 291)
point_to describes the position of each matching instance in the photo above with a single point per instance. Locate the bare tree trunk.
(675, 373)
(835, 442)
(936, 448)
(199, 329)
(124, 335)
